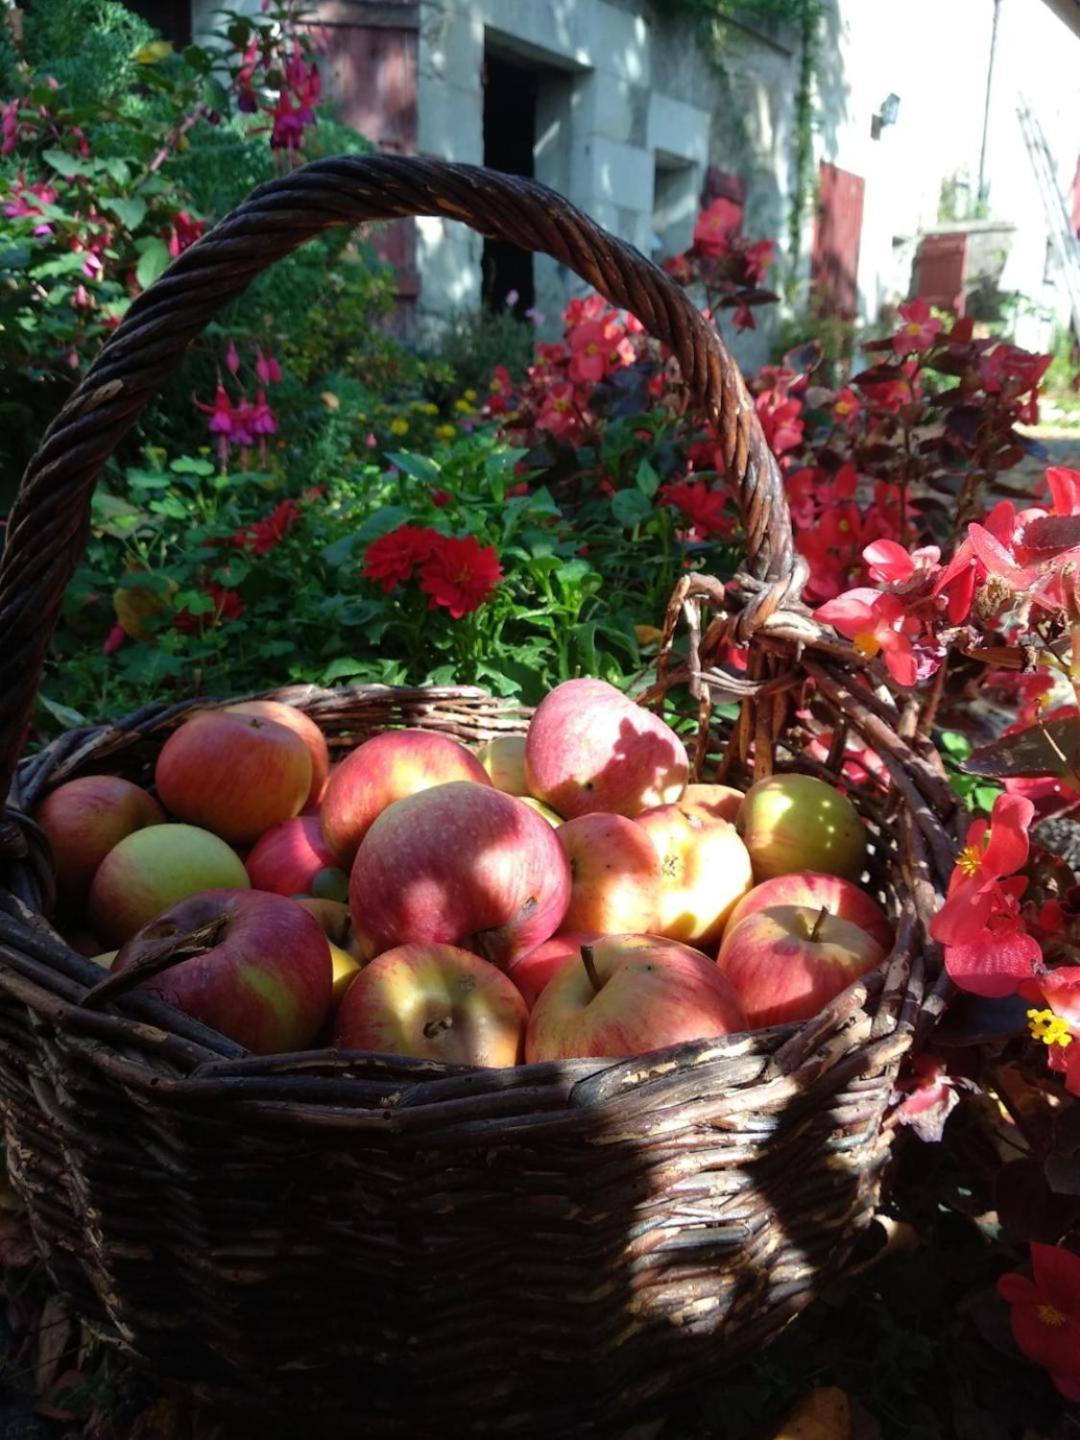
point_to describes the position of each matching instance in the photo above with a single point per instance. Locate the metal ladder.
(1059, 222)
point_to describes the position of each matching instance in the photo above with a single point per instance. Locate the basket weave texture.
(552, 1248)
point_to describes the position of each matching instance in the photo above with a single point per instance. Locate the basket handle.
(49, 521)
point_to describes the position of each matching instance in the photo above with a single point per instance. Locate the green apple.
(796, 822)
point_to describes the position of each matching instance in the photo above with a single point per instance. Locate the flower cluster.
(456, 574)
(730, 267)
(286, 88)
(243, 422)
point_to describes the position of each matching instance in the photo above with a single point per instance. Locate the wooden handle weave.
(48, 525)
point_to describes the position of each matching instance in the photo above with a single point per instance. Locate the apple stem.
(819, 922)
(590, 968)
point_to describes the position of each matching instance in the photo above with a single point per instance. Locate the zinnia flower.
(391, 559)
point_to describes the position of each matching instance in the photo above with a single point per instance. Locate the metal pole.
(984, 184)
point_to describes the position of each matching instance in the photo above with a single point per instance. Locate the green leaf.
(953, 743)
(343, 668)
(419, 467)
(647, 480)
(197, 58)
(340, 551)
(630, 508)
(153, 260)
(130, 212)
(65, 714)
(191, 465)
(64, 164)
(118, 170)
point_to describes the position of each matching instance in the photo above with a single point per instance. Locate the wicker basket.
(555, 1248)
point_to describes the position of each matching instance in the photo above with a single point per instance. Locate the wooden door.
(939, 271)
(834, 264)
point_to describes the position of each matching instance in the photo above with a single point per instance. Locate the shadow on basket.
(336, 1237)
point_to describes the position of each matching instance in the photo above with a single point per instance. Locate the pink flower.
(845, 408)
(921, 330)
(876, 623)
(715, 226)
(266, 367)
(706, 509)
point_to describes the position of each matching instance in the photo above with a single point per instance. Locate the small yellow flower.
(1051, 1029)
(444, 432)
(430, 409)
(470, 394)
(399, 426)
(463, 407)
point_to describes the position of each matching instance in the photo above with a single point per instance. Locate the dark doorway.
(509, 138)
(171, 17)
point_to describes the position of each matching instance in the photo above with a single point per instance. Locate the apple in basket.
(293, 859)
(711, 802)
(704, 870)
(257, 968)
(533, 971)
(614, 874)
(459, 864)
(631, 994)
(346, 954)
(153, 869)
(436, 1002)
(305, 727)
(83, 820)
(810, 888)
(233, 774)
(797, 822)
(541, 809)
(786, 962)
(590, 748)
(504, 761)
(386, 768)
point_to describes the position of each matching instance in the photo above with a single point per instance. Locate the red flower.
(845, 408)
(590, 346)
(183, 231)
(115, 638)
(779, 416)
(262, 536)
(705, 509)
(227, 606)
(460, 575)
(877, 624)
(1046, 1314)
(499, 399)
(715, 227)
(921, 330)
(391, 559)
(929, 1096)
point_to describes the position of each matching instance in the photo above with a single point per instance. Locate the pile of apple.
(555, 894)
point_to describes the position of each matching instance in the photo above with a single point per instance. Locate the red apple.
(459, 864)
(808, 887)
(233, 774)
(787, 962)
(435, 1002)
(83, 820)
(386, 768)
(305, 727)
(797, 822)
(264, 978)
(291, 858)
(504, 761)
(631, 994)
(153, 869)
(704, 870)
(614, 874)
(590, 748)
(533, 971)
(541, 809)
(711, 802)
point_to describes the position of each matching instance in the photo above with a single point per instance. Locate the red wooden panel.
(371, 72)
(939, 271)
(834, 263)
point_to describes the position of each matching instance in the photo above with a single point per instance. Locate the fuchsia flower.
(1046, 1314)
(921, 330)
(987, 948)
(266, 367)
(183, 231)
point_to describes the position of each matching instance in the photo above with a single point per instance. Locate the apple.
(704, 870)
(532, 972)
(629, 995)
(82, 942)
(711, 802)
(541, 809)
(788, 961)
(459, 864)
(337, 924)
(436, 1002)
(796, 822)
(233, 774)
(153, 869)
(305, 727)
(83, 820)
(343, 970)
(614, 875)
(387, 768)
(105, 959)
(262, 975)
(808, 887)
(590, 748)
(293, 859)
(504, 760)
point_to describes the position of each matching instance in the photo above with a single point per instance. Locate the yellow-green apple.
(533, 971)
(631, 994)
(293, 859)
(786, 962)
(105, 959)
(261, 973)
(305, 727)
(614, 875)
(459, 864)
(797, 822)
(233, 774)
(153, 869)
(436, 1002)
(541, 809)
(386, 768)
(711, 802)
(83, 820)
(346, 954)
(704, 870)
(504, 760)
(812, 889)
(590, 748)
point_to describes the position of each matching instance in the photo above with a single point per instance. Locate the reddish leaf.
(1063, 1162)
(1053, 533)
(878, 375)
(1049, 749)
